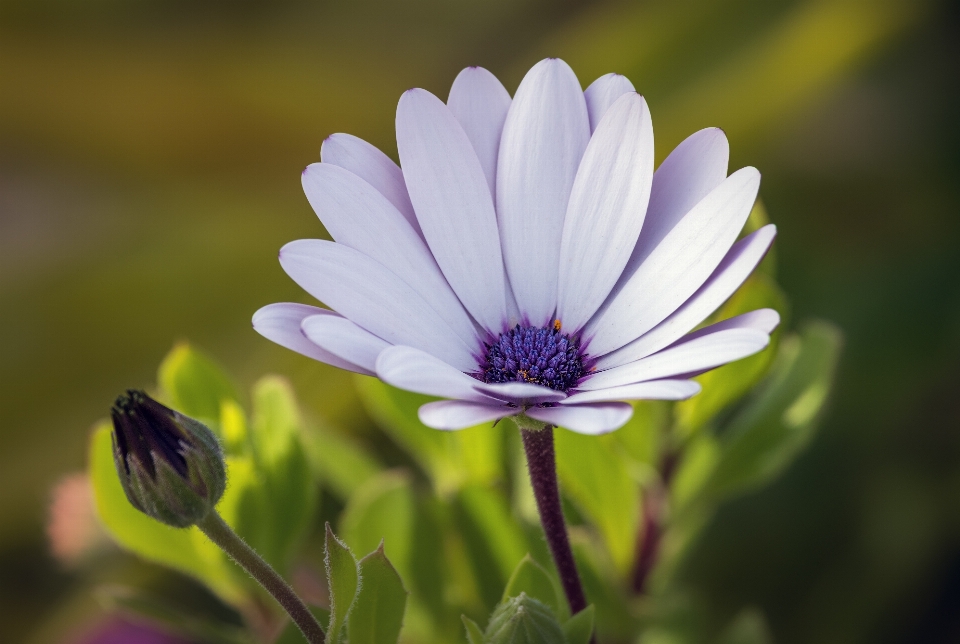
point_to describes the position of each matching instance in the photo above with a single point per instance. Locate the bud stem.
(542, 465)
(237, 549)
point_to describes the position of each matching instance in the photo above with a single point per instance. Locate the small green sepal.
(474, 634)
(579, 628)
(523, 620)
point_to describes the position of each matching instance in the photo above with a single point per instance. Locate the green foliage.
(377, 615)
(493, 539)
(762, 440)
(271, 495)
(341, 465)
(531, 578)
(186, 550)
(384, 509)
(474, 634)
(579, 628)
(450, 459)
(594, 475)
(458, 521)
(278, 507)
(194, 384)
(343, 581)
(523, 620)
(727, 384)
(768, 431)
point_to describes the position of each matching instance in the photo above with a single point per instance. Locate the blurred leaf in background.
(148, 160)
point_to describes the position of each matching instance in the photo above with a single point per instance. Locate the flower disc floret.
(541, 355)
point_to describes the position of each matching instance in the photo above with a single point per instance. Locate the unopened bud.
(171, 466)
(523, 620)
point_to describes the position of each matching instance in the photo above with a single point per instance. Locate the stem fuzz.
(542, 465)
(221, 534)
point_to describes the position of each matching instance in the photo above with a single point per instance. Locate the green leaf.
(194, 384)
(339, 463)
(450, 459)
(700, 457)
(640, 437)
(383, 509)
(729, 383)
(474, 634)
(495, 542)
(377, 615)
(768, 434)
(531, 578)
(595, 476)
(233, 428)
(282, 495)
(185, 549)
(579, 628)
(491, 514)
(343, 580)
(615, 619)
(276, 420)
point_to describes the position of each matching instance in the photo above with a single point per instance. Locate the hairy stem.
(541, 463)
(221, 534)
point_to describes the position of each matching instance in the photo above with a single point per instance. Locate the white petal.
(521, 393)
(418, 371)
(480, 103)
(763, 320)
(687, 175)
(653, 390)
(450, 194)
(606, 210)
(344, 339)
(677, 267)
(374, 167)
(603, 93)
(593, 419)
(280, 323)
(726, 279)
(698, 354)
(358, 216)
(456, 414)
(513, 310)
(369, 294)
(543, 140)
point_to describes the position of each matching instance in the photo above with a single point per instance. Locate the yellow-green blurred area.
(150, 155)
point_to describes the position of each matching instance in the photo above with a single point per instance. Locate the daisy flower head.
(525, 257)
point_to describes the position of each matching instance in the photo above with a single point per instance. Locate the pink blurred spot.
(72, 527)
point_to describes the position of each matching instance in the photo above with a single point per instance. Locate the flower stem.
(653, 508)
(221, 534)
(648, 544)
(542, 465)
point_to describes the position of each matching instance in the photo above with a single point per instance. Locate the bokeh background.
(150, 155)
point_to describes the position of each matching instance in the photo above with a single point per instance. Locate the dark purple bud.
(171, 466)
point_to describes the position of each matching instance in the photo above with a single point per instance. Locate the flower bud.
(523, 620)
(171, 466)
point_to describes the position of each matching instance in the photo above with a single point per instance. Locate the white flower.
(526, 258)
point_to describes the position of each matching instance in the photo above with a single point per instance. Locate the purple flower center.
(541, 355)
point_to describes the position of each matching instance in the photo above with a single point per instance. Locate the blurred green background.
(149, 171)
